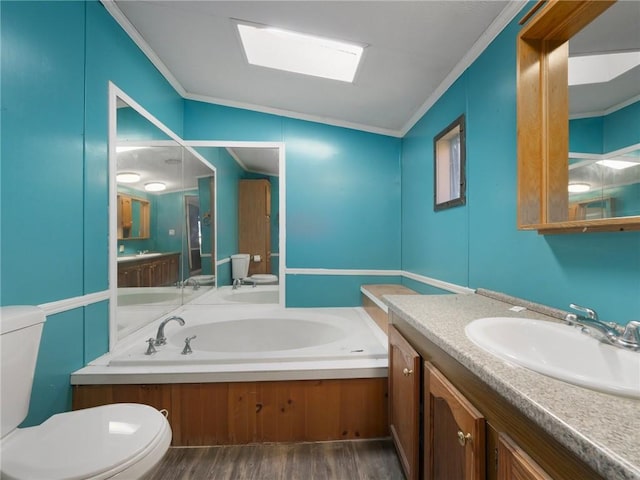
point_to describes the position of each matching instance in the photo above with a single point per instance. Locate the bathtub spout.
(160, 338)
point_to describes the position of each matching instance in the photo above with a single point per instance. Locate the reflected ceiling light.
(127, 177)
(602, 68)
(155, 186)
(617, 164)
(299, 53)
(123, 148)
(579, 187)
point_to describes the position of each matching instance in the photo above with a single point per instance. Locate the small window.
(449, 166)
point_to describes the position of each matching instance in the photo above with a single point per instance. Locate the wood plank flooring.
(344, 460)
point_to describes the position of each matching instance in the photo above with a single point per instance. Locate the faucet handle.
(590, 312)
(151, 349)
(187, 345)
(631, 336)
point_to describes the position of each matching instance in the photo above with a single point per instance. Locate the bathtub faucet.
(160, 338)
(193, 282)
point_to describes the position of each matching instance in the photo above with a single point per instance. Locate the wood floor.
(346, 460)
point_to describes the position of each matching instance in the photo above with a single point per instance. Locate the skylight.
(300, 53)
(601, 68)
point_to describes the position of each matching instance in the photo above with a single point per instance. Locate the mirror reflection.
(190, 221)
(165, 249)
(248, 224)
(604, 112)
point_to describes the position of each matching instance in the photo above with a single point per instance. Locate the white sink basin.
(559, 351)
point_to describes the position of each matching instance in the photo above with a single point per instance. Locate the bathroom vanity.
(150, 270)
(456, 411)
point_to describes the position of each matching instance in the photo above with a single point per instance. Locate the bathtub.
(248, 343)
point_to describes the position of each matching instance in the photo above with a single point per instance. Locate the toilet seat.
(111, 441)
(262, 278)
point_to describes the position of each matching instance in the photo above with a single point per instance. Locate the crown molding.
(128, 27)
(507, 14)
(501, 21)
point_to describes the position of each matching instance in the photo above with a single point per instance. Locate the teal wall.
(57, 59)
(355, 226)
(606, 133)
(228, 172)
(478, 244)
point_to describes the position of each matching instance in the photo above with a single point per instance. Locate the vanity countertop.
(602, 429)
(132, 257)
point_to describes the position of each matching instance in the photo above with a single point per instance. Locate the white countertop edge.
(99, 375)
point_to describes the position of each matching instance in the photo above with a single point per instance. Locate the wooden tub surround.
(230, 413)
(373, 304)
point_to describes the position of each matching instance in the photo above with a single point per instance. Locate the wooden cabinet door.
(254, 223)
(404, 402)
(515, 464)
(454, 431)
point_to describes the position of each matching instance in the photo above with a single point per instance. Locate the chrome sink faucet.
(160, 338)
(624, 337)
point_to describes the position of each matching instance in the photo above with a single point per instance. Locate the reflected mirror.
(248, 219)
(604, 116)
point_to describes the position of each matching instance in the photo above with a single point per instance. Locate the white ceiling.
(416, 49)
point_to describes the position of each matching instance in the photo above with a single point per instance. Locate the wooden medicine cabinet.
(543, 122)
(133, 217)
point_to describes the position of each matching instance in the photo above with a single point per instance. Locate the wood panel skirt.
(255, 412)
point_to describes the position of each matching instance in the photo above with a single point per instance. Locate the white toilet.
(240, 272)
(119, 441)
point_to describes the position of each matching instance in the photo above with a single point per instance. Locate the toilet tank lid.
(18, 317)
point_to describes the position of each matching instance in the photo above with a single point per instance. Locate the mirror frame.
(543, 119)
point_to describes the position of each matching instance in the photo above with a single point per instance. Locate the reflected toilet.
(240, 272)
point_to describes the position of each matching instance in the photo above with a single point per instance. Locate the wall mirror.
(249, 214)
(192, 191)
(449, 154)
(578, 133)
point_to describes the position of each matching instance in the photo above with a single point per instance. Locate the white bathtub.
(249, 343)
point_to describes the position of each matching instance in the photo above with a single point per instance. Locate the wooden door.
(404, 402)
(254, 223)
(515, 464)
(454, 431)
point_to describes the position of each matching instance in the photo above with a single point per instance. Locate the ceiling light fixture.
(155, 186)
(587, 69)
(617, 164)
(127, 177)
(299, 53)
(579, 187)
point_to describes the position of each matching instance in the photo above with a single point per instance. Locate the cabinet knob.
(406, 372)
(462, 438)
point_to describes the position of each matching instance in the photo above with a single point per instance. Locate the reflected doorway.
(194, 237)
